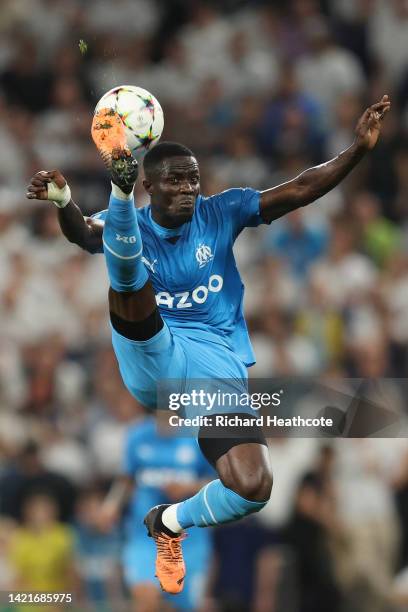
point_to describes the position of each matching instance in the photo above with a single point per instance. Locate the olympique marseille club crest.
(203, 255)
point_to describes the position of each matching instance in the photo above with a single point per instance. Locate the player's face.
(174, 191)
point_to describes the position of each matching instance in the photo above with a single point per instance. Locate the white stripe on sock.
(169, 519)
(122, 256)
(203, 519)
(207, 504)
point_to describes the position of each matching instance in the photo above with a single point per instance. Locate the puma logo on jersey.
(203, 255)
(149, 264)
(185, 299)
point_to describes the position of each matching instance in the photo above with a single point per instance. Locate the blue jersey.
(192, 268)
(154, 461)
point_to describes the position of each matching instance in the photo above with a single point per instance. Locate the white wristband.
(61, 196)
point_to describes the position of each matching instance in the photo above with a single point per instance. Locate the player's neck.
(166, 232)
(165, 222)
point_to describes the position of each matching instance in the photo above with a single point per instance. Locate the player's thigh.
(207, 360)
(144, 363)
(133, 305)
(218, 377)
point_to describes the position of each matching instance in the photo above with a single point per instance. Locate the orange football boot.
(108, 133)
(170, 567)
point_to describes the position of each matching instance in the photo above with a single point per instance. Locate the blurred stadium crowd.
(259, 91)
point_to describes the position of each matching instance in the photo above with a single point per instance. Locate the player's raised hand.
(369, 125)
(49, 185)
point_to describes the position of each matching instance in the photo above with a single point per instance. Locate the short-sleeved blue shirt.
(193, 271)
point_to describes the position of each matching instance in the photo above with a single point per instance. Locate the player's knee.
(254, 486)
(245, 468)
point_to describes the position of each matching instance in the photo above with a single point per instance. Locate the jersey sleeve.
(100, 216)
(240, 208)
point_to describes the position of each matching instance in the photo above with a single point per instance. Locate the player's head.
(40, 509)
(172, 179)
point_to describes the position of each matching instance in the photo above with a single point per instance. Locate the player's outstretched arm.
(315, 182)
(51, 185)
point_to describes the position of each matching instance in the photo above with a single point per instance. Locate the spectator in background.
(388, 35)
(327, 71)
(380, 237)
(393, 292)
(400, 205)
(355, 274)
(364, 471)
(7, 572)
(341, 135)
(238, 556)
(286, 351)
(206, 37)
(300, 243)
(319, 321)
(293, 121)
(240, 163)
(173, 76)
(27, 474)
(97, 553)
(26, 84)
(41, 550)
(308, 536)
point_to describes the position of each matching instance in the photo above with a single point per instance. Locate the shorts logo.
(203, 255)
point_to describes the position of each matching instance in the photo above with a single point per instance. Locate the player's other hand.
(38, 186)
(369, 125)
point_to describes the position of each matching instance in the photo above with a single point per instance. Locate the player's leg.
(244, 486)
(241, 459)
(239, 454)
(132, 302)
(243, 467)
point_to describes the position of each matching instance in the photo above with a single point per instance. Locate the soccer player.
(157, 469)
(175, 298)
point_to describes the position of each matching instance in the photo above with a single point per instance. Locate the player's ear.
(148, 185)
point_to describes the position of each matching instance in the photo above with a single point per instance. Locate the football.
(141, 114)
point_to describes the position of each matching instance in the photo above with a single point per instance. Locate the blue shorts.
(177, 357)
(139, 557)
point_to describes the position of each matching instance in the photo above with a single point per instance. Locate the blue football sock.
(215, 504)
(122, 246)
